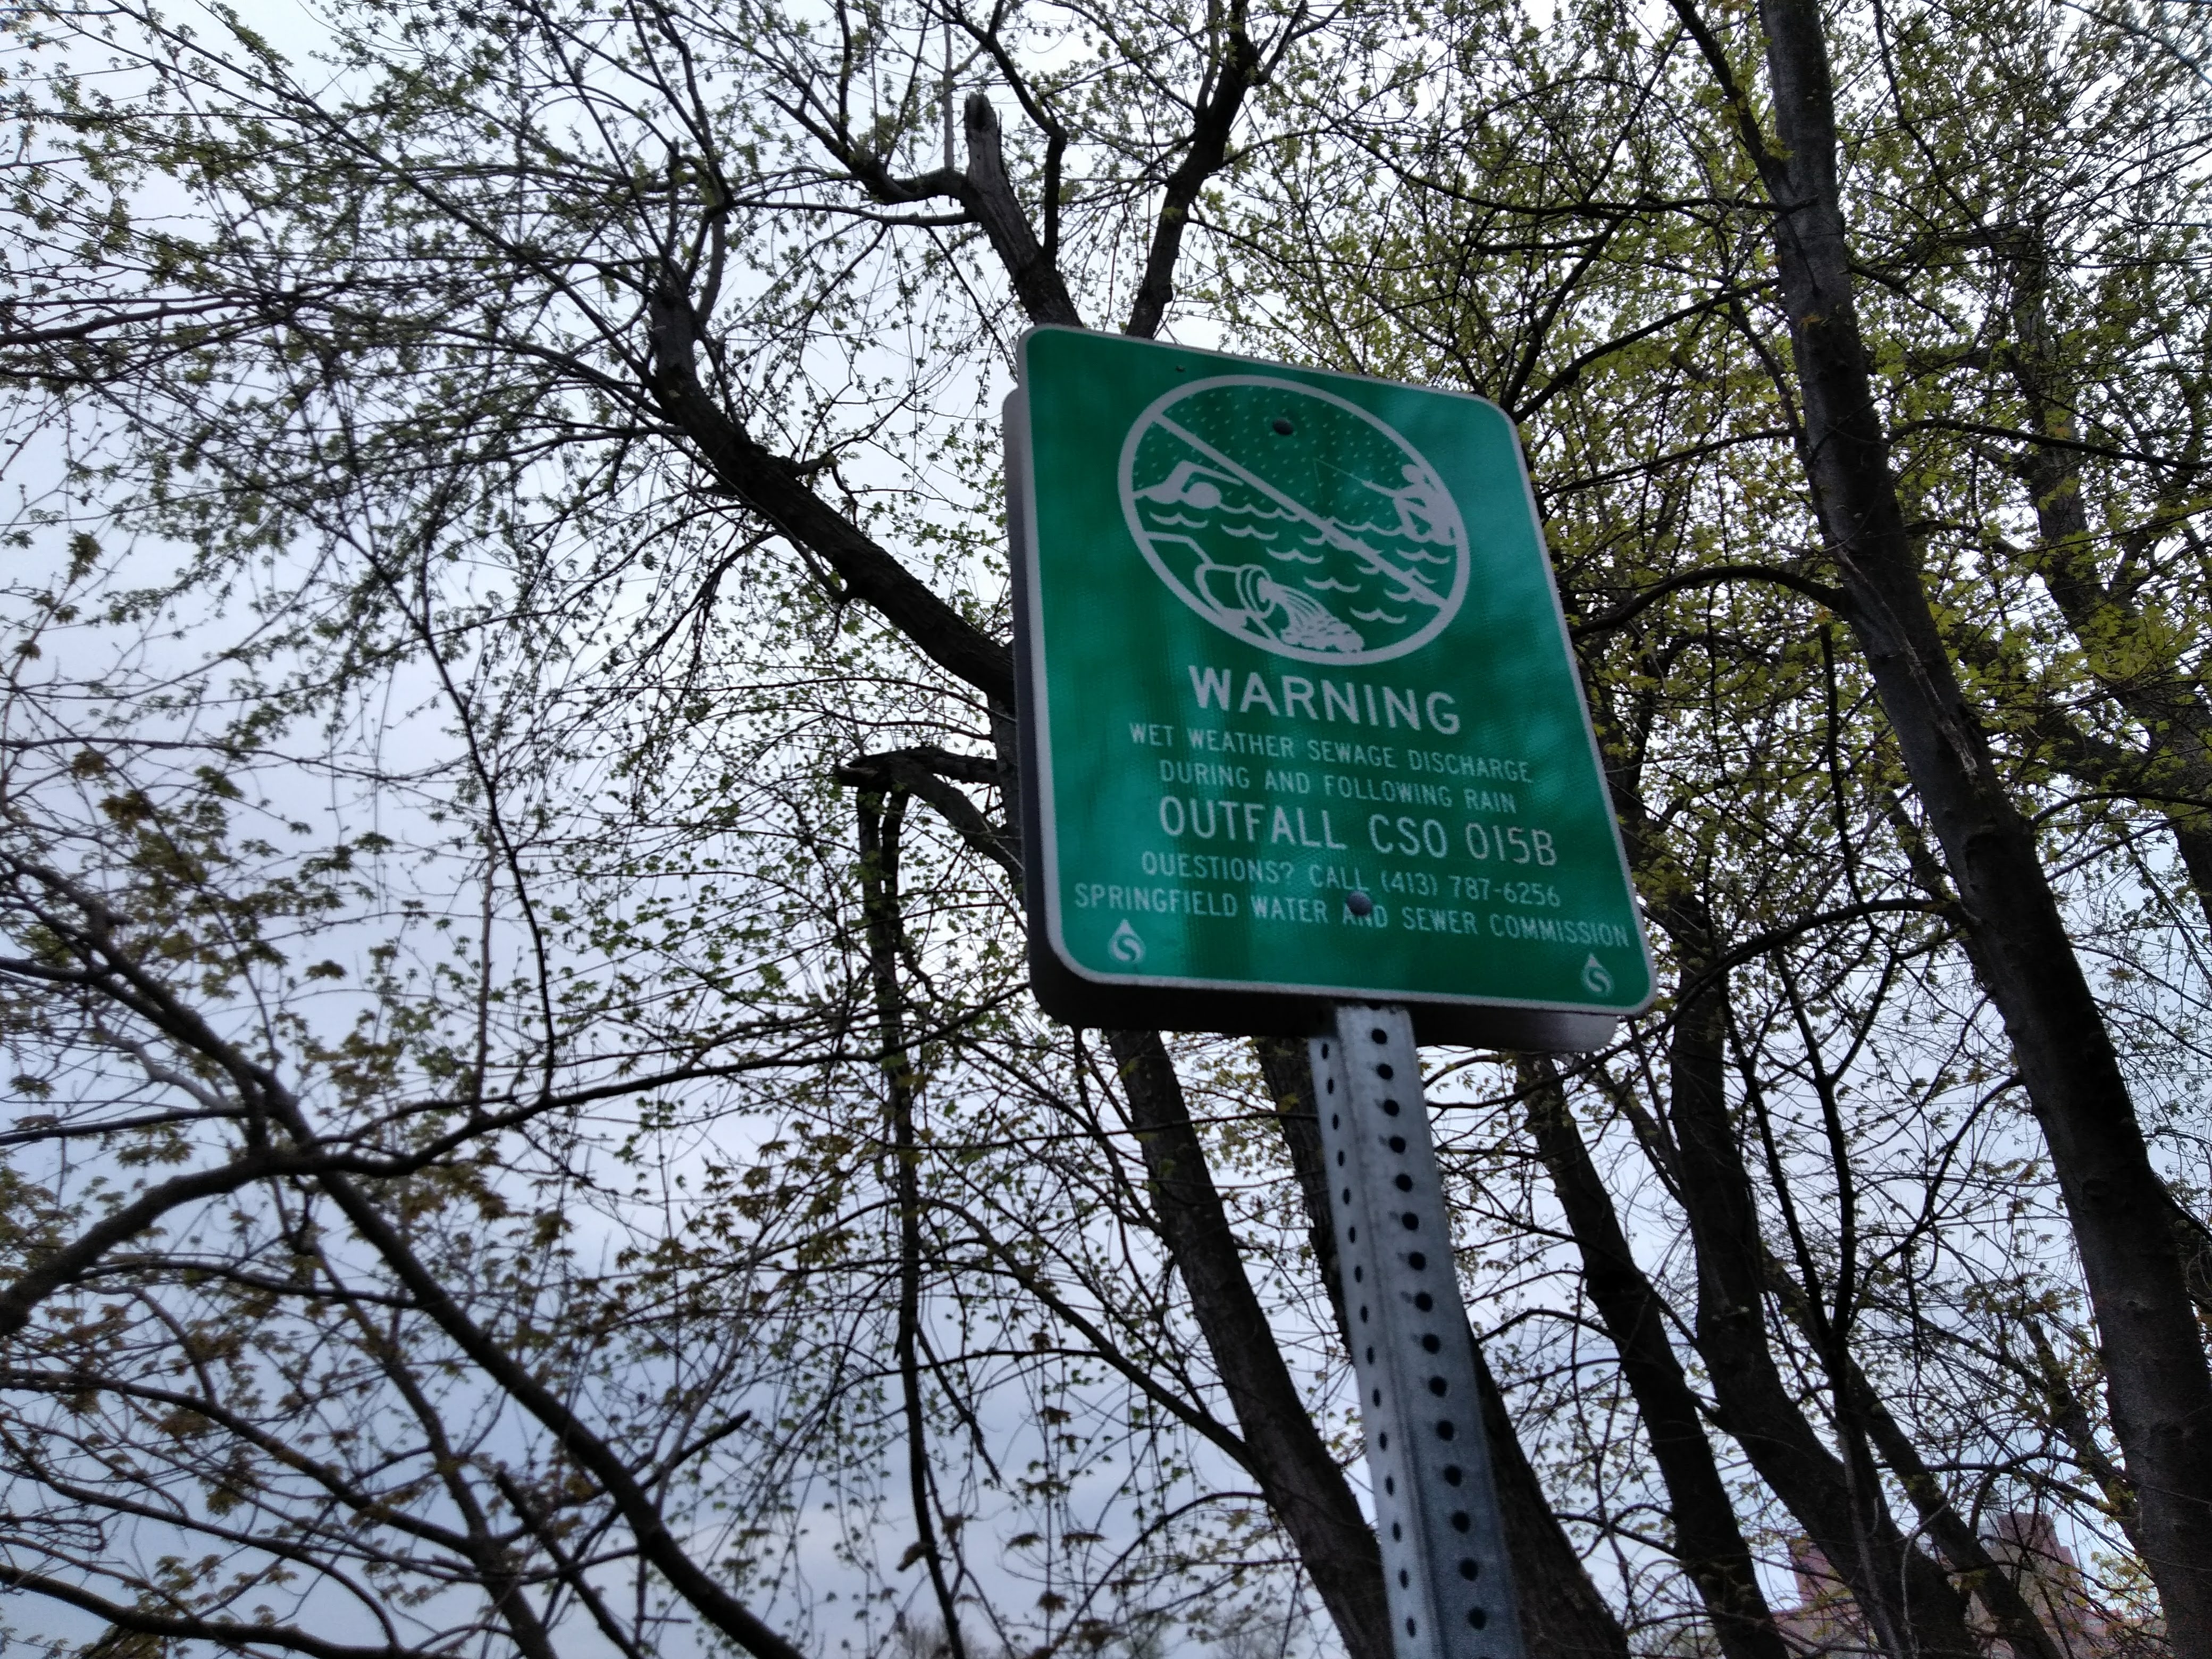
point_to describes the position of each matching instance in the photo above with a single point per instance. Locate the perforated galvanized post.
(1435, 1506)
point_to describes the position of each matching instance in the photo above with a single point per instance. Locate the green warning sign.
(1300, 720)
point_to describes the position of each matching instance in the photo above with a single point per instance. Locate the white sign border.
(1022, 521)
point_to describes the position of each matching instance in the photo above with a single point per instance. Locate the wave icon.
(1294, 519)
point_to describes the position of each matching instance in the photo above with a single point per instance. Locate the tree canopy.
(531, 1133)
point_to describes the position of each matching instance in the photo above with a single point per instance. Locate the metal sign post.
(1436, 1505)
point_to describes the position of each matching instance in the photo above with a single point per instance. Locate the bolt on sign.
(1300, 724)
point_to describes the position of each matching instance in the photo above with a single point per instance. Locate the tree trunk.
(2010, 1616)
(881, 819)
(2158, 1385)
(1707, 1541)
(1303, 1487)
(1907, 1601)
(1562, 1614)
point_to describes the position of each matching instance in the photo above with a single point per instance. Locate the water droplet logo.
(1294, 521)
(1595, 979)
(1126, 945)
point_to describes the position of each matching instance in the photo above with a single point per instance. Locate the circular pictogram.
(1293, 519)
